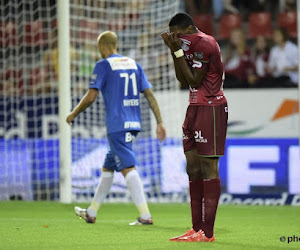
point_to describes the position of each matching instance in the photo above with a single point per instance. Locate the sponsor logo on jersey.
(117, 63)
(199, 55)
(132, 124)
(199, 138)
(131, 102)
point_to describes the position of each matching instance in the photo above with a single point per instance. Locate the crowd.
(263, 65)
(265, 61)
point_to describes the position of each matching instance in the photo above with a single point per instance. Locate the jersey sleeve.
(202, 51)
(98, 77)
(144, 84)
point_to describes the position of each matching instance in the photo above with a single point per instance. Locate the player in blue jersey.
(120, 79)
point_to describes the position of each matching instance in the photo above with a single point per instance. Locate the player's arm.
(85, 102)
(180, 77)
(184, 73)
(160, 130)
(193, 76)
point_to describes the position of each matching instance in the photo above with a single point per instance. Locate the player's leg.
(211, 193)
(194, 172)
(196, 188)
(121, 146)
(136, 190)
(193, 166)
(204, 210)
(213, 133)
(193, 169)
(101, 192)
(107, 175)
(210, 134)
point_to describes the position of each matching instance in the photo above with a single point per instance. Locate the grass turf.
(50, 225)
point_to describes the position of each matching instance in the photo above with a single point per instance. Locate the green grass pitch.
(51, 225)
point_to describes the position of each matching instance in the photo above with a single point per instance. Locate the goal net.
(29, 145)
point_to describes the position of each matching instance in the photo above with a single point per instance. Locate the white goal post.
(64, 107)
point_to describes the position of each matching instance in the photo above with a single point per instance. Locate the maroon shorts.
(204, 129)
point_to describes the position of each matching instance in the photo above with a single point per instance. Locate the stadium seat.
(228, 22)
(204, 23)
(34, 33)
(259, 23)
(288, 20)
(8, 34)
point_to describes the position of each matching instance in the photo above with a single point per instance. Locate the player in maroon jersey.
(197, 61)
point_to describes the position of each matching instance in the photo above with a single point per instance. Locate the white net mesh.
(138, 25)
(28, 102)
(29, 166)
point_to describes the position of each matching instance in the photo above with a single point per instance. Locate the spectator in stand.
(253, 5)
(195, 7)
(239, 67)
(11, 82)
(221, 7)
(242, 7)
(287, 5)
(261, 54)
(283, 60)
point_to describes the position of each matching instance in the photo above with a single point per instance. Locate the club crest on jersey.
(198, 55)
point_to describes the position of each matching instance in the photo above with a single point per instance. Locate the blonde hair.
(109, 39)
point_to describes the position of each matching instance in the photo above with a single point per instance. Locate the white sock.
(101, 192)
(136, 190)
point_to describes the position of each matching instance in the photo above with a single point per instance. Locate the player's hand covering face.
(172, 40)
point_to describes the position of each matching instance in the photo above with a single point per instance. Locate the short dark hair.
(181, 20)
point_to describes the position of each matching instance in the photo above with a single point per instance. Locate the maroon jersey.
(201, 50)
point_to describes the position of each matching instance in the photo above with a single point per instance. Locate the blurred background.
(262, 159)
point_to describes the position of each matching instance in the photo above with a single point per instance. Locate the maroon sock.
(196, 194)
(211, 195)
